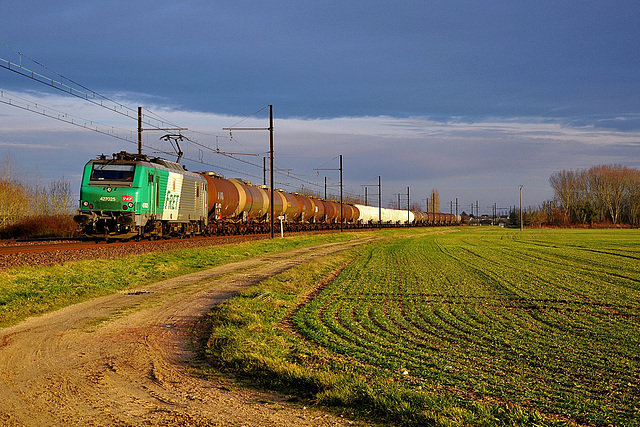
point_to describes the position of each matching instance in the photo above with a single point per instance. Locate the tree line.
(601, 194)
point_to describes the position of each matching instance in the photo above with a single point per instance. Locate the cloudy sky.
(473, 98)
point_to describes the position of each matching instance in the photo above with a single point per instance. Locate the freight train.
(134, 196)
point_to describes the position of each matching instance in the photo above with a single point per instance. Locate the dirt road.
(120, 359)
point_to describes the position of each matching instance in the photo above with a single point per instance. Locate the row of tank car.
(241, 204)
(134, 196)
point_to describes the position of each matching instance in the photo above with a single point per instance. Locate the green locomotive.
(133, 196)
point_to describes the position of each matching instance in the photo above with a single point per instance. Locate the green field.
(453, 327)
(440, 326)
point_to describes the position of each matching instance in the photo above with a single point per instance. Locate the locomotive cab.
(134, 196)
(108, 195)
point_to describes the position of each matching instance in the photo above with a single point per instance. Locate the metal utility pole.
(521, 207)
(379, 203)
(379, 199)
(408, 208)
(270, 129)
(271, 166)
(139, 131)
(325, 191)
(341, 208)
(325, 188)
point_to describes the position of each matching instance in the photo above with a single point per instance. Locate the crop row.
(547, 320)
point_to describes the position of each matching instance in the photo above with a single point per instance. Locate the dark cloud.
(347, 58)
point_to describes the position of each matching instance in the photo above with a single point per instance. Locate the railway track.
(15, 254)
(10, 247)
(51, 252)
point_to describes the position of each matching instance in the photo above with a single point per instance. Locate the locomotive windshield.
(107, 172)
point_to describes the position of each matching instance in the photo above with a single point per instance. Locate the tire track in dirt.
(121, 359)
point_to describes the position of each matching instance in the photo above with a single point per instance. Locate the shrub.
(41, 226)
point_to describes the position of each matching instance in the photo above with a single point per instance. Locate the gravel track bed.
(106, 251)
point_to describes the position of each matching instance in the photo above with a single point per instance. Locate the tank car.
(368, 215)
(132, 195)
(237, 206)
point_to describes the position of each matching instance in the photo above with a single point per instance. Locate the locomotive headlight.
(85, 203)
(130, 204)
(109, 189)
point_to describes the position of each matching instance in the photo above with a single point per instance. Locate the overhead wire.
(153, 119)
(248, 117)
(39, 108)
(85, 94)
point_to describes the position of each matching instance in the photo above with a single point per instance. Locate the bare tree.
(14, 200)
(568, 191)
(40, 197)
(632, 197)
(607, 186)
(60, 197)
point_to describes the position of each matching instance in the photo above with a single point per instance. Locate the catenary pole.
(325, 189)
(270, 129)
(271, 165)
(140, 131)
(379, 202)
(341, 208)
(408, 208)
